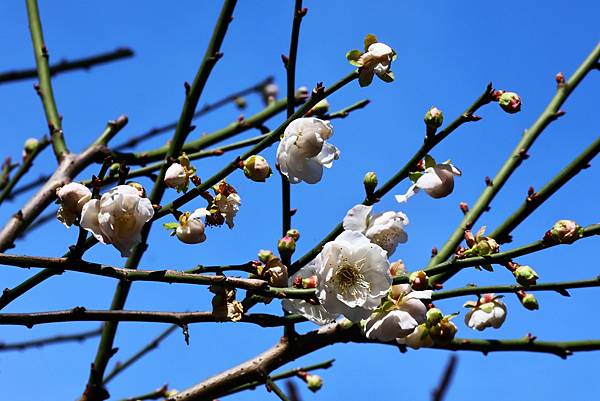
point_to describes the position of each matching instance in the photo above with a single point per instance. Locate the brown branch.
(440, 391)
(42, 342)
(85, 63)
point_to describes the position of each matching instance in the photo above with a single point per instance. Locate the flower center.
(348, 276)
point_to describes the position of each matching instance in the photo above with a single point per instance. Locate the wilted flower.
(488, 312)
(304, 151)
(225, 305)
(312, 311)
(71, 197)
(257, 169)
(352, 276)
(227, 202)
(276, 272)
(117, 217)
(437, 180)
(384, 229)
(376, 59)
(191, 227)
(399, 315)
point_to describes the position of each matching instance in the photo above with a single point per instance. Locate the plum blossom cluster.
(117, 218)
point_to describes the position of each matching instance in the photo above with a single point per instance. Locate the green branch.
(45, 86)
(559, 287)
(550, 114)
(535, 200)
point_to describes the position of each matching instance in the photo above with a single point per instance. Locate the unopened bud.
(286, 245)
(370, 182)
(433, 119)
(434, 316)
(487, 246)
(320, 108)
(30, 145)
(564, 232)
(525, 275)
(295, 234)
(264, 255)
(257, 169)
(269, 92)
(529, 301)
(314, 382)
(240, 102)
(510, 102)
(419, 280)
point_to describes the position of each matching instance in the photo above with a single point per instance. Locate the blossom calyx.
(419, 280)
(257, 168)
(525, 275)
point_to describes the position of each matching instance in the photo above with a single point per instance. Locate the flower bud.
(71, 197)
(176, 177)
(294, 233)
(434, 316)
(191, 227)
(370, 182)
(269, 92)
(309, 282)
(286, 245)
(510, 102)
(529, 301)
(419, 280)
(320, 108)
(564, 232)
(257, 169)
(264, 255)
(30, 145)
(487, 246)
(525, 275)
(314, 382)
(433, 119)
(240, 102)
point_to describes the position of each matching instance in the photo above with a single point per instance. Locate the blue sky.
(447, 53)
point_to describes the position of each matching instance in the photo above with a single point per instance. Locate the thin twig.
(440, 391)
(42, 342)
(69, 65)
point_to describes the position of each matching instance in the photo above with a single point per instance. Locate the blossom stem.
(267, 141)
(345, 112)
(502, 233)
(429, 143)
(207, 108)
(550, 114)
(23, 168)
(69, 65)
(45, 86)
(474, 290)
(42, 342)
(152, 345)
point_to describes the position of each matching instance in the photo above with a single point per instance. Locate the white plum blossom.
(488, 312)
(191, 227)
(384, 229)
(352, 275)
(71, 197)
(437, 181)
(312, 311)
(377, 58)
(399, 315)
(117, 217)
(228, 206)
(419, 338)
(176, 177)
(304, 150)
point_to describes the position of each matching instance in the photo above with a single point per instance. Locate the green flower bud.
(264, 255)
(240, 102)
(257, 169)
(565, 232)
(292, 232)
(510, 102)
(525, 275)
(434, 316)
(370, 182)
(30, 145)
(320, 108)
(443, 332)
(530, 302)
(314, 382)
(487, 246)
(433, 118)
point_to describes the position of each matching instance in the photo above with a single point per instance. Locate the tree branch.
(440, 391)
(45, 87)
(69, 65)
(42, 342)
